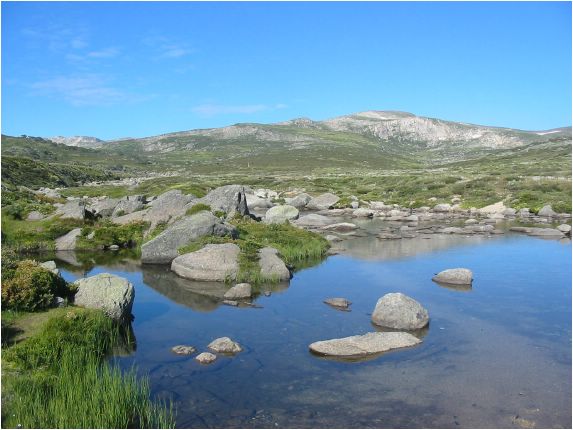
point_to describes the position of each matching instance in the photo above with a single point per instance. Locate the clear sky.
(137, 69)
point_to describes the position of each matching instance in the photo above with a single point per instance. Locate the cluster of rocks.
(393, 311)
(222, 345)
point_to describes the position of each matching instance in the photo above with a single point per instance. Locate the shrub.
(29, 287)
(198, 208)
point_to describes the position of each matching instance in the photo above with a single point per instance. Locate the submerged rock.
(206, 358)
(239, 291)
(364, 345)
(110, 293)
(183, 349)
(338, 302)
(211, 263)
(454, 276)
(225, 345)
(272, 267)
(396, 310)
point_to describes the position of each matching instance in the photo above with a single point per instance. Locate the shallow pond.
(496, 355)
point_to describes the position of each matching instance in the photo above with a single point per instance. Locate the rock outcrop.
(110, 293)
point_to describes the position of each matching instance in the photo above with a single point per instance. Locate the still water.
(495, 355)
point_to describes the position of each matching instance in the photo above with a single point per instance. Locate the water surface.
(495, 355)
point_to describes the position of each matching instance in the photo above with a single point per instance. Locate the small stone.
(206, 358)
(225, 345)
(338, 302)
(230, 302)
(183, 350)
(113, 247)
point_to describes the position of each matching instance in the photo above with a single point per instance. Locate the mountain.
(79, 141)
(372, 140)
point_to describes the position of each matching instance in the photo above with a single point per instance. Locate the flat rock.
(67, 242)
(313, 220)
(211, 263)
(225, 345)
(163, 248)
(324, 201)
(341, 226)
(454, 276)
(183, 349)
(564, 228)
(280, 214)
(552, 232)
(272, 267)
(338, 302)
(239, 291)
(110, 293)
(206, 358)
(364, 345)
(396, 310)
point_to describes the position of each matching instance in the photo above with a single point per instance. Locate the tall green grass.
(58, 378)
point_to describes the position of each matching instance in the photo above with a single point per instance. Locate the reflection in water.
(455, 287)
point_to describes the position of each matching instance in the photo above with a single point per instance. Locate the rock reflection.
(455, 287)
(199, 296)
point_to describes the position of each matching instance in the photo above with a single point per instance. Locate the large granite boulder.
(167, 207)
(396, 310)
(104, 207)
(300, 201)
(547, 211)
(75, 209)
(164, 248)
(272, 267)
(364, 345)
(211, 263)
(128, 205)
(280, 214)
(229, 199)
(324, 201)
(454, 276)
(110, 293)
(67, 242)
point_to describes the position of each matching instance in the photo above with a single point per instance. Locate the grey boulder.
(110, 293)
(364, 345)
(454, 276)
(35, 216)
(104, 207)
(51, 266)
(300, 201)
(168, 206)
(75, 209)
(128, 205)
(564, 228)
(396, 310)
(211, 263)
(324, 201)
(229, 199)
(280, 214)
(163, 248)
(67, 242)
(547, 211)
(272, 267)
(313, 220)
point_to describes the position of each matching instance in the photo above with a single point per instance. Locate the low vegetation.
(198, 208)
(106, 233)
(296, 246)
(58, 378)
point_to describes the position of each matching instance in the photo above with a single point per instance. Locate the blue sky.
(137, 69)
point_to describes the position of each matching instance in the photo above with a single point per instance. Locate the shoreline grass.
(58, 378)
